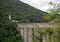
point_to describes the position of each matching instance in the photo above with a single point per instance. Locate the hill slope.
(21, 11)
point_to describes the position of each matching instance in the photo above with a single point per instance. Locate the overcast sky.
(40, 4)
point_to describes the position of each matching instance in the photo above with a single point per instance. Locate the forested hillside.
(21, 11)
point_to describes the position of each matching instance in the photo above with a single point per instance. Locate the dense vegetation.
(21, 11)
(8, 31)
(53, 16)
(46, 35)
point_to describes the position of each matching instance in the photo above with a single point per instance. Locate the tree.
(8, 31)
(51, 16)
(38, 34)
(50, 32)
(50, 3)
(54, 13)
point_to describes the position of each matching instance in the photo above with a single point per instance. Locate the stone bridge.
(26, 29)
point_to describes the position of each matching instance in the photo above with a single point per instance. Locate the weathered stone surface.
(34, 25)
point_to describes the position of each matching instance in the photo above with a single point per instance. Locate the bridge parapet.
(34, 25)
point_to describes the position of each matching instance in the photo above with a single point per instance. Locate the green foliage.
(58, 33)
(21, 11)
(57, 19)
(47, 32)
(8, 31)
(50, 31)
(52, 17)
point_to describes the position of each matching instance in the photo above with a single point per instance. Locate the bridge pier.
(26, 34)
